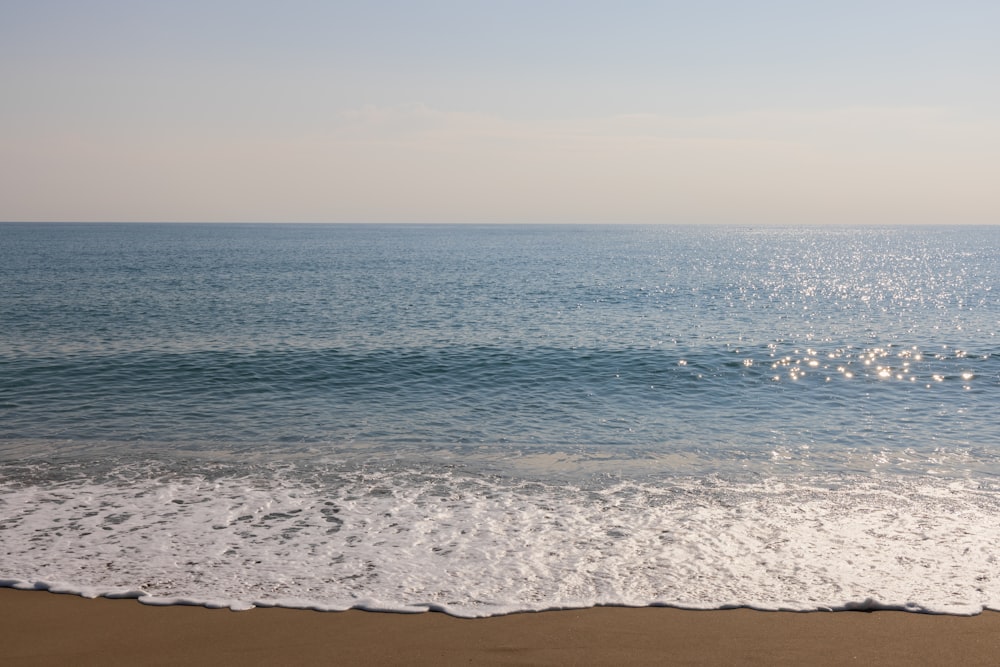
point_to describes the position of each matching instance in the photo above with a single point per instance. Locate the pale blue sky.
(675, 112)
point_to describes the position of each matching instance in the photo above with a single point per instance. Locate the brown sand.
(39, 628)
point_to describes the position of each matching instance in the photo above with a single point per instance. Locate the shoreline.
(44, 628)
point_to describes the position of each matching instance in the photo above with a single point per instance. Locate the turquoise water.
(719, 341)
(567, 363)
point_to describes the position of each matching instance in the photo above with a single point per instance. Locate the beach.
(406, 445)
(41, 628)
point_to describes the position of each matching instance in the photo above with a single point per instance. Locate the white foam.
(471, 546)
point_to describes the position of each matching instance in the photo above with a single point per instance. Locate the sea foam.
(477, 545)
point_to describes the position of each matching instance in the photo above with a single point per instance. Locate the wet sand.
(41, 628)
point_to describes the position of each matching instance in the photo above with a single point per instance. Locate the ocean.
(482, 420)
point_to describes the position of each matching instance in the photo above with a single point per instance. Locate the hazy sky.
(503, 111)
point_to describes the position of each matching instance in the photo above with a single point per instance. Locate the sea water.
(489, 419)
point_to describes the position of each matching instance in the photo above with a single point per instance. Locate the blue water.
(553, 355)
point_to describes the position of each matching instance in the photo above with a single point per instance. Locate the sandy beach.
(40, 628)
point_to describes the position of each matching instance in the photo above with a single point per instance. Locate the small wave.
(826, 397)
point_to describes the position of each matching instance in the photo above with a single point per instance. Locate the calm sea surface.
(485, 419)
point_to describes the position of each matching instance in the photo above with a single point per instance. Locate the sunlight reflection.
(913, 366)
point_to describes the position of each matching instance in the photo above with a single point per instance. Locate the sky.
(509, 111)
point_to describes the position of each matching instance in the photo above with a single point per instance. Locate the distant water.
(486, 419)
